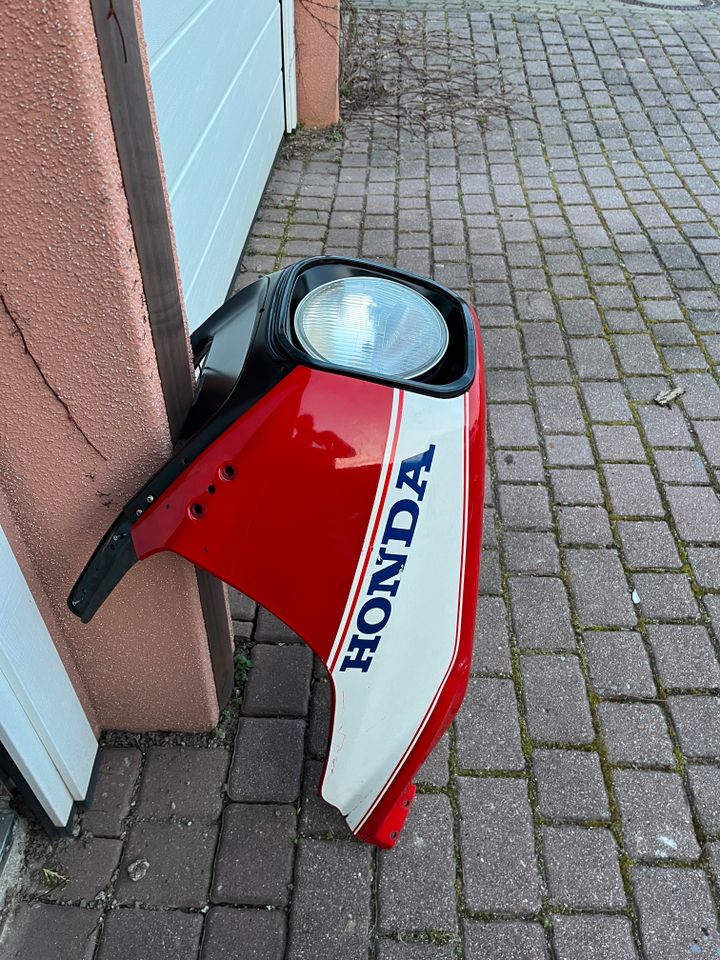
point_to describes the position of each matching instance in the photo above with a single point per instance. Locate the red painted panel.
(287, 529)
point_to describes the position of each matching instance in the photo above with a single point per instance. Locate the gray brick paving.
(416, 882)
(129, 934)
(584, 227)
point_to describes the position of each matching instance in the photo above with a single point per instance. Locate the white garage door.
(43, 728)
(216, 69)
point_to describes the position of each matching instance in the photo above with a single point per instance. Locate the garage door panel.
(192, 76)
(165, 23)
(199, 196)
(220, 257)
(216, 69)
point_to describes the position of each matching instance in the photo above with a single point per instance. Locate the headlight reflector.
(372, 325)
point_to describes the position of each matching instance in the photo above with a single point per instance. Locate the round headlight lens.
(372, 325)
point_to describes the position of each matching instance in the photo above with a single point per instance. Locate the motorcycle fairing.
(352, 510)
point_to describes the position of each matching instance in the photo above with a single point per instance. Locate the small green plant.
(242, 664)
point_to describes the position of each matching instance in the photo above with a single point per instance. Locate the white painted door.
(43, 727)
(216, 70)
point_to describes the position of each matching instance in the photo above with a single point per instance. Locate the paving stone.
(582, 868)
(705, 563)
(530, 552)
(267, 762)
(570, 785)
(680, 466)
(584, 525)
(488, 731)
(541, 613)
(600, 590)
(676, 913)
(497, 847)
(508, 940)
(708, 432)
(182, 782)
(512, 425)
(632, 490)
(555, 700)
(392, 950)
(665, 427)
(712, 852)
(179, 858)
(241, 607)
(330, 914)
(316, 815)
(606, 402)
(593, 359)
(261, 933)
(519, 466)
(88, 866)
(620, 443)
(569, 451)
(559, 410)
(593, 938)
(319, 725)
(491, 651)
(434, 770)
(655, 816)
(665, 596)
(416, 885)
(618, 664)
(254, 860)
(705, 792)
(696, 511)
(490, 575)
(576, 487)
(506, 385)
(270, 629)
(501, 347)
(279, 681)
(117, 774)
(697, 722)
(131, 934)
(524, 507)
(685, 656)
(636, 733)
(39, 930)
(648, 543)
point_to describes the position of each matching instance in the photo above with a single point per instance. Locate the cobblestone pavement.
(574, 810)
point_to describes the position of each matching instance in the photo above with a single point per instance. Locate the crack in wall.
(53, 391)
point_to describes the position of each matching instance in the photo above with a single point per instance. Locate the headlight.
(372, 325)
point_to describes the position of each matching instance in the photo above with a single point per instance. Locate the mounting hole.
(393, 835)
(406, 804)
(211, 488)
(227, 472)
(197, 510)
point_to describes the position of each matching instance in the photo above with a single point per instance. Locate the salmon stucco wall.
(317, 43)
(82, 415)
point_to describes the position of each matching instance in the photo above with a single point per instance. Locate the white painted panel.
(217, 80)
(30, 757)
(30, 665)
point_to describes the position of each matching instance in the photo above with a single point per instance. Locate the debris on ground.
(666, 397)
(137, 869)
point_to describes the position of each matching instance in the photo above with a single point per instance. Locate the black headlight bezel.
(451, 377)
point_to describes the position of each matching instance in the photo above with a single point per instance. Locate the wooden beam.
(124, 71)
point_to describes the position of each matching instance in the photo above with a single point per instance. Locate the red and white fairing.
(354, 515)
